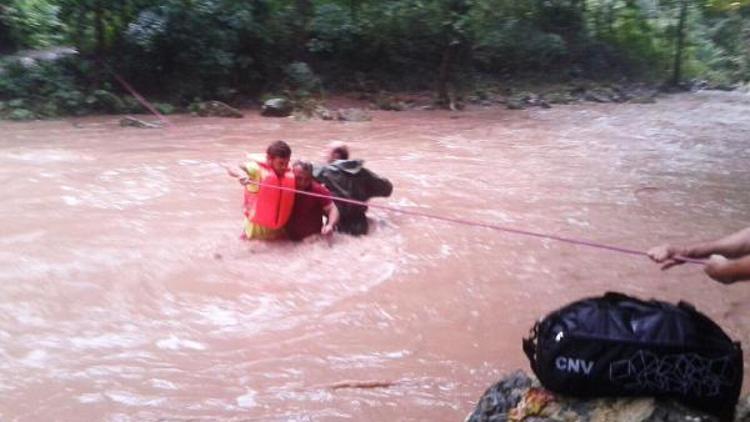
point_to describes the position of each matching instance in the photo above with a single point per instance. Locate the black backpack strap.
(686, 306)
(618, 297)
(529, 345)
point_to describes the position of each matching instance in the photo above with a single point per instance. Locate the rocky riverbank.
(519, 397)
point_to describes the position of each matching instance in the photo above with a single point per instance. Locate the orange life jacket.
(270, 207)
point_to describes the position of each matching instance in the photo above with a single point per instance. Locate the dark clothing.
(349, 179)
(307, 214)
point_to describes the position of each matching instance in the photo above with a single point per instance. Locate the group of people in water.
(283, 202)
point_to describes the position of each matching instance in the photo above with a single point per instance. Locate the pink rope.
(574, 241)
(465, 222)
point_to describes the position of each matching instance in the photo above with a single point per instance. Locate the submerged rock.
(129, 121)
(215, 109)
(559, 98)
(643, 99)
(390, 103)
(523, 100)
(324, 113)
(353, 115)
(277, 107)
(518, 397)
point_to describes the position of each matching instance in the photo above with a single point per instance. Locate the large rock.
(353, 115)
(277, 107)
(525, 99)
(129, 121)
(390, 103)
(519, 397)
(559, 97)
(215, 109)
(324, 113)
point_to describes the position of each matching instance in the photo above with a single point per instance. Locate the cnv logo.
(572, 365)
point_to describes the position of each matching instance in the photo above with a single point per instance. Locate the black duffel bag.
(616, 345)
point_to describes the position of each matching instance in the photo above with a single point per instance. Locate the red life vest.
(270, 207)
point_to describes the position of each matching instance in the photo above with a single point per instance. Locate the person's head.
(337, 151)
(277, 156)
(303, 174)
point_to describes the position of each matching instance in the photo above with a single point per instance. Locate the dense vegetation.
(183, 50)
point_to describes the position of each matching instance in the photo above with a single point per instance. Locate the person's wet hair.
(306, 166)
(279, 149)
(341, 151)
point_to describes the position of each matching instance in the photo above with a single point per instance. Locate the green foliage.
(301, 79)
(106, 101)
(32, 23)
(36, 80)
(179, 50)
(165, 108)
(50, 89)
(515, 46)
(335, 32)
(21, 114)
(643, 45)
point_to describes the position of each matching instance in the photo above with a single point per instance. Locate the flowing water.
(125, 293)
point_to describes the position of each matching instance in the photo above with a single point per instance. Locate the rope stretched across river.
(466, 222)
(455, 220)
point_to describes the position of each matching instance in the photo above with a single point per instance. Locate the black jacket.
(351, 180)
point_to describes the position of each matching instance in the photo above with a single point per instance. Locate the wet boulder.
(519, 397)
(526, 99)
(277, 107)
(516, 102)
(353, 115)
(324, 113)
(129, 121)
(599, 96)
(559, 97)
(390, 103)
(215, 109)
(643, 99)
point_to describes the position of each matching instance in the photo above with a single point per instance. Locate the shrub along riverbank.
(179, 52)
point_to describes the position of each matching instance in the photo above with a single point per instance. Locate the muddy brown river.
(126, 294)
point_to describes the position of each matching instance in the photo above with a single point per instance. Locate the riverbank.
(44, 90)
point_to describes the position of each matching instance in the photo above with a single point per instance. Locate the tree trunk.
(99, 48)
(99, 28)
(354, 9)
(610, 18)
(680, 43)
(304, 13)
(6, 42)
(445, 74)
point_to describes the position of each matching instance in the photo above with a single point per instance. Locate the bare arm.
(240, 173)
(332, 214)
(728, 271)
(732, 246)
